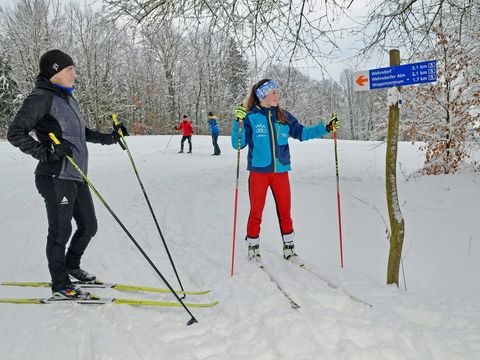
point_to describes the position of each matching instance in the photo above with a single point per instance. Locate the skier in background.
(214, 131)
(50, 107)
(267, 128)
(187, 132)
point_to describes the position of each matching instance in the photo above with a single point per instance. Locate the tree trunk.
(397, 224)
(171, 94)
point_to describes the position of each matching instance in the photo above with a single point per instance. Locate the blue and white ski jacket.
(267, 139)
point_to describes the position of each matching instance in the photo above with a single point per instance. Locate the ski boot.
(253, 251)
(289, 250)
(82, 275)
(70, 292)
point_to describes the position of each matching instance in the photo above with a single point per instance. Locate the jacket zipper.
(273, 141)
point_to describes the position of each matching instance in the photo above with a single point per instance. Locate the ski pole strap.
(122, 145)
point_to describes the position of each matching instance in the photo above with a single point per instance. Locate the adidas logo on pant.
(64, 201)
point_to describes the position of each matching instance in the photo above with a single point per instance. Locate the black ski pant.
(65, 199)
(189, 138)
(216, 148)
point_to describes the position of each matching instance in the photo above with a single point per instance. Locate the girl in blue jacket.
(214, 131)
(267, 128)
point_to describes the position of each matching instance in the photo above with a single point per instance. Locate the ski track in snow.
(192, 194)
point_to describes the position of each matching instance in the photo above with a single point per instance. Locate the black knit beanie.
(54, 61)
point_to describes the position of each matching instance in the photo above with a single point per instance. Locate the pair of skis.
(294, 304)
(99, 300)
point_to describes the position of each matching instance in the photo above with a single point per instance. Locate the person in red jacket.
(187, 131)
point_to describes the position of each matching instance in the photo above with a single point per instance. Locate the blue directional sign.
(408, 74)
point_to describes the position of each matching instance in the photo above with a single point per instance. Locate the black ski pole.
(168, 143)
(115, 122)
(70, 159)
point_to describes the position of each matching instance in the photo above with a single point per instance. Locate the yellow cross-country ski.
(97, 300)
(104, 285)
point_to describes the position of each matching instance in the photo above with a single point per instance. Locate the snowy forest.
(385, 208)
(153, 61)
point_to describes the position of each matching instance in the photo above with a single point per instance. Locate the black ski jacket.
(49, 109)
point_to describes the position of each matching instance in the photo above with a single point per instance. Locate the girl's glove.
(333, 124)
(240, 112)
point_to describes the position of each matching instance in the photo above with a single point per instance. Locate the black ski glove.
(44, 152)
(117, 138)
(115, 132)
(59, 151)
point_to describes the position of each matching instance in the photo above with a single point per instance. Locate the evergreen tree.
(8, 93)
(235, 73)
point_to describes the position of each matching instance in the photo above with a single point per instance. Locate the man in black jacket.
(50, 107)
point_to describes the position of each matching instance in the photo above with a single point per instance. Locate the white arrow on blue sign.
(408, 74)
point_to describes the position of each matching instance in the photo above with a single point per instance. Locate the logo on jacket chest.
(260, 130)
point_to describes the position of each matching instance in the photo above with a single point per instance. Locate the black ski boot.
(82, 275)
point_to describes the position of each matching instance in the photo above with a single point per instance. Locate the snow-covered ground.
(438, 317)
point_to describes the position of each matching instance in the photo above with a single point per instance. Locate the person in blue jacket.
(266, 129)
(214, 131)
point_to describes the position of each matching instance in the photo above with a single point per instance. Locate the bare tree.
(365, 112)
(97, 45)
(283, 31)
(30, 28)
(445, 116)
(185, 57)
(409, 24)
(166, 41)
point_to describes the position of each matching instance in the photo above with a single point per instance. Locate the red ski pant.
(258, 184)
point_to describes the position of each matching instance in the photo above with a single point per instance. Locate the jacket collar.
(263, 110)
(41, 82)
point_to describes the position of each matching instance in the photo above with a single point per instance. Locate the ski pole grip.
(334, 117)
(115, 122)
(54, 138)
(238, 119)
